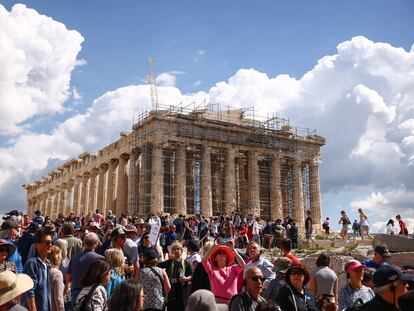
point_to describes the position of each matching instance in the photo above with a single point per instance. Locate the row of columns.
(111, 186)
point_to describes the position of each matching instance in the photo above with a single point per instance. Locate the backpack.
(325, 225)
(86, 303)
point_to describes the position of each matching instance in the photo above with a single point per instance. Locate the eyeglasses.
(257, 278)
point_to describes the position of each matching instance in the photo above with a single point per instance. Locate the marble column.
(122, 190)
(276, 206)
(315, 194)
(69, 196)
(55, 206)
(76, 195)
(143, 181)
(84, 193)
(43, 203)
(62, 200)
(157, 180)
(110, 202)
(100, 201)
(180, 197)
(50, 198)
(92, 191)
(133, 182)
(253, 182)
(298, 210)
(230, 202)
(206, 207)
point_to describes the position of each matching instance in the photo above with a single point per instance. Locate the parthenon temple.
(206, 162)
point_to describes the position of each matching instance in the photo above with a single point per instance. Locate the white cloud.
(166, 79)
(37, 56)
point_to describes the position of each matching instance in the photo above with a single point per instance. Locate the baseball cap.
(118, 232)
(389, 274)
(9, 224)
(353, 265)
(383, 251)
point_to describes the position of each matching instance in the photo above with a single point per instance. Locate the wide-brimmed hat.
(225, 249)
(140, 221)
(10, 246)
(353, 265)
(12, 285)
(130, 228)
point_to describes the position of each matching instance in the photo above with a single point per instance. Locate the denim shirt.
(39, 272)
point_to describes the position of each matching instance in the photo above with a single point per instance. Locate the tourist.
(356, 228)
(155, 281)
(64, 263)
(326, 226)
(293, 233)
(116, 259)
(204, 300)
(364, 225)
(223, 273)
(27, 240)
(193, 257)
(56, 279)
(285, 249)
(381, 254)
(200, 278)
(110, 217)
(6, 250)
(279, 233)
(11, 287)
(345, 222)
(403, 226)
(179, 227)
(74, 243)
(324, 282)
(268, 234)
(170, 238)
(130, 249)
(37, 267)
(179, 273)
(96, 228)
(257, 227)
(294, 296)
(280, 267)
(10, 231)
(143, 245)
(390, 284)
(390, 227)
(98, 217)
(37, 217)
(129, 296)
(80, 263)
(354, 291)
(93, 286)
(309, 229)
(256, 260)
(251, 296)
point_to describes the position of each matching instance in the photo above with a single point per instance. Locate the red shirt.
(293, 259)
(403, 227)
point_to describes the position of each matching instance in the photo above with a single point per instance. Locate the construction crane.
(152, 84)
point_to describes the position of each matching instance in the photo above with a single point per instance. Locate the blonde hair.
(177, 244)
(55, 256)
(115, 257)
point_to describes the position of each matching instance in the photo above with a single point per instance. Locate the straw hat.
(12, 285)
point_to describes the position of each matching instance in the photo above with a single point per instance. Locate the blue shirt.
(371, 264)
(39, 272)
(114, 281)
(16, 258)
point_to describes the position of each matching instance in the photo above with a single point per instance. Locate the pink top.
(223, 282)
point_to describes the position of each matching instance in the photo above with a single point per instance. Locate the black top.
(304, 302)
(200, 279)
(378, 304)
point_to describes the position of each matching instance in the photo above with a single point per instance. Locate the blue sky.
(199, 44)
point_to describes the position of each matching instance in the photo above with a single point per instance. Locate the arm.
(335, 291)
(208, 253)
(166, 282)
(58, 287)
(31, 304)
(239, 259)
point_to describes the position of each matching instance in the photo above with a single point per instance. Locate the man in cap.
(390, 284)
(10, 231)
(280, 266)
(131, 249)
(140, 225)
(74, 244)
(27, 240)
(381, 253)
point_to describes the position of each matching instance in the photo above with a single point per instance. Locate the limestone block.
(395, 243)
(401, 259)
(339, 243)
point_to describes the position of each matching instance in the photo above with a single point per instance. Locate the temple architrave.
(188, 163)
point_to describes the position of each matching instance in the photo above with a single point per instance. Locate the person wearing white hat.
(11, 287)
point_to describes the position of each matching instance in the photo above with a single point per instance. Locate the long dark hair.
(95, 273)
(125, 296)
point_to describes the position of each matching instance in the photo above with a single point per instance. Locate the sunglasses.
(47, 243)
(297, 273)
(4, 250)
(257, 278)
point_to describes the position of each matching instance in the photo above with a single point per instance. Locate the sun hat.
(383, 251)
(140, 221)
(282, 264)
(130, 228)
(352, 265)
(389, 274)
(12, 285)
(224, 249)
(204, 300)
(10, 247)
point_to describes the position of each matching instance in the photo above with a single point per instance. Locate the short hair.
(41, 234)
(177, 244)
(398, 216)
(95, 273)
(289, 272)
(55, 256)
(90, 239)
(286, 245)
(322, 261)
(126, 296)
(115, 257)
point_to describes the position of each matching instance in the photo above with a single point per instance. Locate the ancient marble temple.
(187, 163)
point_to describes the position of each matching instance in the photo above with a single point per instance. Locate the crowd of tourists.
(103, 262)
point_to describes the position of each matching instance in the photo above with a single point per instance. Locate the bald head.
(90, 240)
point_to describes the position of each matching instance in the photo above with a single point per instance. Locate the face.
(254, 282)
(378, 258)
(119, 241)
(106, 278)
(140, 229)
(297, 277)
(176, 251)
(145, 241)
(254, 251)
(4, 252)
(357, 274)
(221, 259)
(140, 302)
(14, 233)
(45, 247)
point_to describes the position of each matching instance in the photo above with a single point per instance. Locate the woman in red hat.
(219, 264)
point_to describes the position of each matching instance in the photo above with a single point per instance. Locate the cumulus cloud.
(166, 79)
(37, 56)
